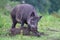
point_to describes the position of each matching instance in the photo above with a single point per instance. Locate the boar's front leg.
(35, 31)
(22, 23)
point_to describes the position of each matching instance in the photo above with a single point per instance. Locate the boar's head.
(33, 21)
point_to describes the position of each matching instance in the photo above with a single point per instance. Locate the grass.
(49, 24)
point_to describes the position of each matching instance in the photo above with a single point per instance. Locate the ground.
(49, 24)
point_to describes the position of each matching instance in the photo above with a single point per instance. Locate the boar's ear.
(32, 14)
(39, 18)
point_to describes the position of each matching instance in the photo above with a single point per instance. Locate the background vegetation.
(49, 24)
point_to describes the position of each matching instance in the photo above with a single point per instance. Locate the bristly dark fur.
(22, 31)
(25, 13)
(21, 13)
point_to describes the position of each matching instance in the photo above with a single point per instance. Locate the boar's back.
(23, 11)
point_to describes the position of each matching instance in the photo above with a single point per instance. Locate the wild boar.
(22, 30)
(25, 13)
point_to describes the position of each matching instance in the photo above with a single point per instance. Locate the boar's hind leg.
(14, 22)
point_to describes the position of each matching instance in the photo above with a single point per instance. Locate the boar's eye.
(32, 21)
